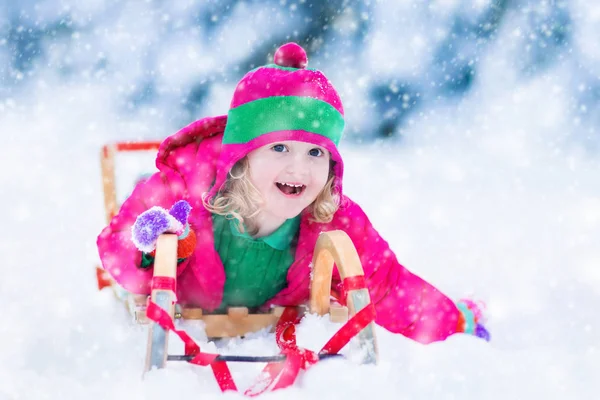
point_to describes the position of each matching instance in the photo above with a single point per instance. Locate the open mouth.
(291, 189)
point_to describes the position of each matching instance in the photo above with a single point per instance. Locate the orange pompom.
(462, 322)
(186, 246)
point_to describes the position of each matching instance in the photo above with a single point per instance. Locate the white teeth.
(290, 184)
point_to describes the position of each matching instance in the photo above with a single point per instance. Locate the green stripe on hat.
(280, 113)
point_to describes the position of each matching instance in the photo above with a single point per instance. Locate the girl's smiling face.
(289, 176)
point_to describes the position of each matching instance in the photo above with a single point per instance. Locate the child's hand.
(152, 223)
(471, 319)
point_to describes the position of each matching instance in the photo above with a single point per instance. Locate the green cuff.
(469, 317)
(148, 261)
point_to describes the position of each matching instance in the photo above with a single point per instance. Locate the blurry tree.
(49, 35)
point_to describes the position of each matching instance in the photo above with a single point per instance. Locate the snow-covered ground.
(494, 197)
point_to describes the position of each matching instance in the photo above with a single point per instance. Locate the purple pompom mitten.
(482, 333)
(181, 211)
(155, 221)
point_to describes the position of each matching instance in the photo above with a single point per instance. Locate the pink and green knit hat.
(282, 101)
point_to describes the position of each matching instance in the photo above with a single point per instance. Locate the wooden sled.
(334, 247)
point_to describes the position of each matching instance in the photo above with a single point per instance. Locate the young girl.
(249, 193)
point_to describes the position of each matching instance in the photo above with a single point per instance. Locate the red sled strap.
(103, 278)
(350, 329)
(356, 282)
(275, 375)
(219, 368)
(164, 283)
(279, 375)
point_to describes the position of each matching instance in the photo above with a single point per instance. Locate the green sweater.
(255, 269)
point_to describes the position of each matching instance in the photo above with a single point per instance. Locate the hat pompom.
(291, 55)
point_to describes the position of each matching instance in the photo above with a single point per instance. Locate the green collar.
(281, 239)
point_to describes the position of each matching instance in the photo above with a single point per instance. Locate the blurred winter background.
(472, 142)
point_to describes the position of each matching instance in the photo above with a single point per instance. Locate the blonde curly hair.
(238, 198)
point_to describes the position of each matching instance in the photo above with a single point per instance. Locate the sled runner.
(161, 309)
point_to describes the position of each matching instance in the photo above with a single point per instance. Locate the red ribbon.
(164, 283)
(297, 358)
(351, 283)
(279, 375)
(350, 329)
(356, 282)
(219, 368)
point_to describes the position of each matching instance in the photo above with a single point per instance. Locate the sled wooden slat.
(165, 265)
(338, 313)
(191, 313)
(336, 247)
(107, 164)
(237, 322)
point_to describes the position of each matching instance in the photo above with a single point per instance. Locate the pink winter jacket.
(187, 162)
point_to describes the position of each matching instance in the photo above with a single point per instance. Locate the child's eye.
(316, 152)
(280, 148)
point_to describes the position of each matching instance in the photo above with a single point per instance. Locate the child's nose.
(297, 165)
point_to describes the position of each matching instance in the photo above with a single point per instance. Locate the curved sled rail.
(336, 247)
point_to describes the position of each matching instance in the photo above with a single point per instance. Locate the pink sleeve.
(117, 252)
(405, 303)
